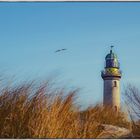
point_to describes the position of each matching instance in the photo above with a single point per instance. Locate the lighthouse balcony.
(111, 73)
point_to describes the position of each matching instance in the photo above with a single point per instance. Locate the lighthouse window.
(115, 84)
(116, 108)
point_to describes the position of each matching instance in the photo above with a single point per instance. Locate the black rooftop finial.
(111, 48)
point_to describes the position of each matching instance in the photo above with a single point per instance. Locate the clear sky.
(31, 32)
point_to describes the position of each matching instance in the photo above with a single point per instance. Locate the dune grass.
(28, 111)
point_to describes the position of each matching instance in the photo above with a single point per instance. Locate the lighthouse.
(111, 76)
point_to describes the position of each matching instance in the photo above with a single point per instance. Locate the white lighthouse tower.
(111, 76)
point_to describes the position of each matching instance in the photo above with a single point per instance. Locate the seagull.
(64, 49)
(60, 50)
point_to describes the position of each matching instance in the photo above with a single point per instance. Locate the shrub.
(132, 99)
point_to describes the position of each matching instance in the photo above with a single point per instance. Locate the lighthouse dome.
(111, 60)
(111, 55)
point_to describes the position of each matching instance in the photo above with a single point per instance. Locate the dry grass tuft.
(30, 112)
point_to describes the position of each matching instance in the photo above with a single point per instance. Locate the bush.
(132, 99)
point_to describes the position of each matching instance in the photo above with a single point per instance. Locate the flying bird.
(60, 50)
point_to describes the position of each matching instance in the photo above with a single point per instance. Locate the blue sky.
(31, 32)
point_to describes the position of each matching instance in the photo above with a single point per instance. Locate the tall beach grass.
(29, 111)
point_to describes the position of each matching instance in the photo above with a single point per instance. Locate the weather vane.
(111, 47)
